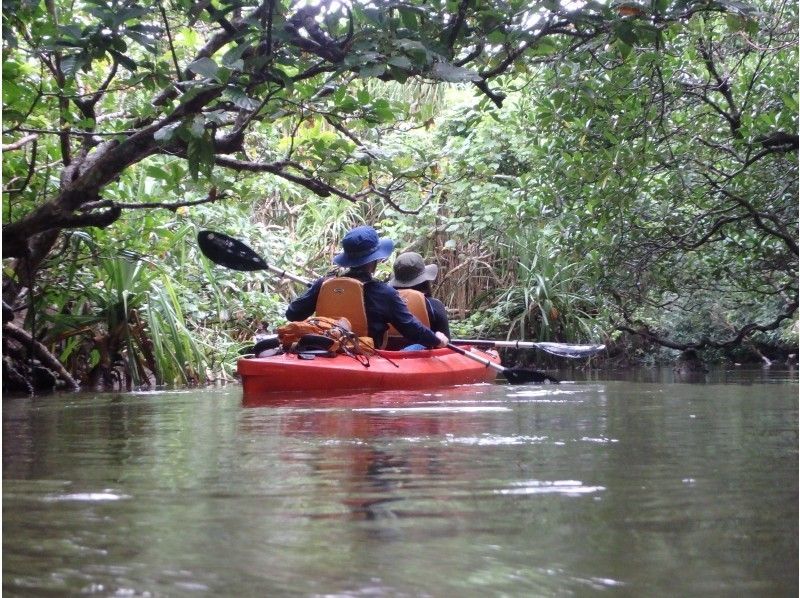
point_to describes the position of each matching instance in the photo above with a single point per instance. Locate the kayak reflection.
(380, 449)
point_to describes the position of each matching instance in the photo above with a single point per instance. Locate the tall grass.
(179, 356)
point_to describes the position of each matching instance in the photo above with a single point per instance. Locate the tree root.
(41, 352)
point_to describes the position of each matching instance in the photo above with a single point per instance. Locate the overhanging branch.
(319, 187)
(739, 335)
(8, 147)
(108, 203)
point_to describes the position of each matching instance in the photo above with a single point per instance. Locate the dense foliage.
(576, 170)
(669, 174)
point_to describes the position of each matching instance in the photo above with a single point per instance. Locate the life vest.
(343, 297)
(417, 305)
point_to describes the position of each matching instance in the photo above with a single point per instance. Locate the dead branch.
(41, 352)
(8, 147)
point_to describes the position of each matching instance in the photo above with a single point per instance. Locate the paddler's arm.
(411, 328)
(305, 305)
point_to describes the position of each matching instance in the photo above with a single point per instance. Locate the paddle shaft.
(560, 349)
(513, 375)
(487, 362)
(493, 343)
(284, 274)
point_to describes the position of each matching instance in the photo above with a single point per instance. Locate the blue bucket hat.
(362, 246)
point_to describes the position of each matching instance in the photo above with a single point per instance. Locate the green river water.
(637, 487)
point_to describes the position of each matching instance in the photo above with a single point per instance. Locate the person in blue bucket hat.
(358, 296)
(362, 246)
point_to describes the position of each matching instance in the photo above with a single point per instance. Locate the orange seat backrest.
(417, 305)
(344, 297)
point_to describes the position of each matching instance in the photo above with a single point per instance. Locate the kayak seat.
(344, 297)
(418, 307)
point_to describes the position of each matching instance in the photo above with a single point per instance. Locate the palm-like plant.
(547, 298)
(114, 317)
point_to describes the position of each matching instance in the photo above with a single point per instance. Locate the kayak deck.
(387, 370)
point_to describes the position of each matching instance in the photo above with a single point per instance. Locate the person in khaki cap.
(412, 278)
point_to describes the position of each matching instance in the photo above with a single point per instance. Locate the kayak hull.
(388, 370)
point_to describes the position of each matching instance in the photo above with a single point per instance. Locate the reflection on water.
(714, 375)
(635, 487)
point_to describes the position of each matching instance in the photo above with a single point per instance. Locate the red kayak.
(387, 370)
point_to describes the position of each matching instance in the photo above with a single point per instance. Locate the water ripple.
(566, 487)
(86, 497)
(601, 440)
(494, 440)
(433, 409)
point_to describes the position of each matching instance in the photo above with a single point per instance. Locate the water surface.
(634, 488)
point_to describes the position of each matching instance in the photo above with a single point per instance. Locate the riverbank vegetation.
(621, 172)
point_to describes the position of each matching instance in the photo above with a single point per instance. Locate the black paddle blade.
(271, 342)
(523, 376)
(227, 251)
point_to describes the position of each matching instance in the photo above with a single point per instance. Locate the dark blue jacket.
(383, 306)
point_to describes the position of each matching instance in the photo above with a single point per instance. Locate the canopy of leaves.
(618, 164)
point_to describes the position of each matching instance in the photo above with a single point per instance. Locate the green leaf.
(373, 15)
(624, 31)
(660, 6)
(362, 58)
(648, 58)
(216, 116)
(348, 104)
(119, 44)
(383, 110)
(411, 45)
(408, 17)
(205, 67)
(143, 40)
(339, 94)
(401, 62)
(126, 14)
(496, 37)
(544, 47)
(12, 92)
(71, 64)
(166, 133)
(157, 172)
(197, 125)
(608, 134)
(124, 60)
(12, 116)
(372, 70)
(399, 75)
(646, 33)
(234, 54)
(790, 101)
(223, 74)
(69, 33)
(200, 155)
(445, 71)
(240, 99)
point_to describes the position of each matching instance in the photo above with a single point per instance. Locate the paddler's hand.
(443, 340)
